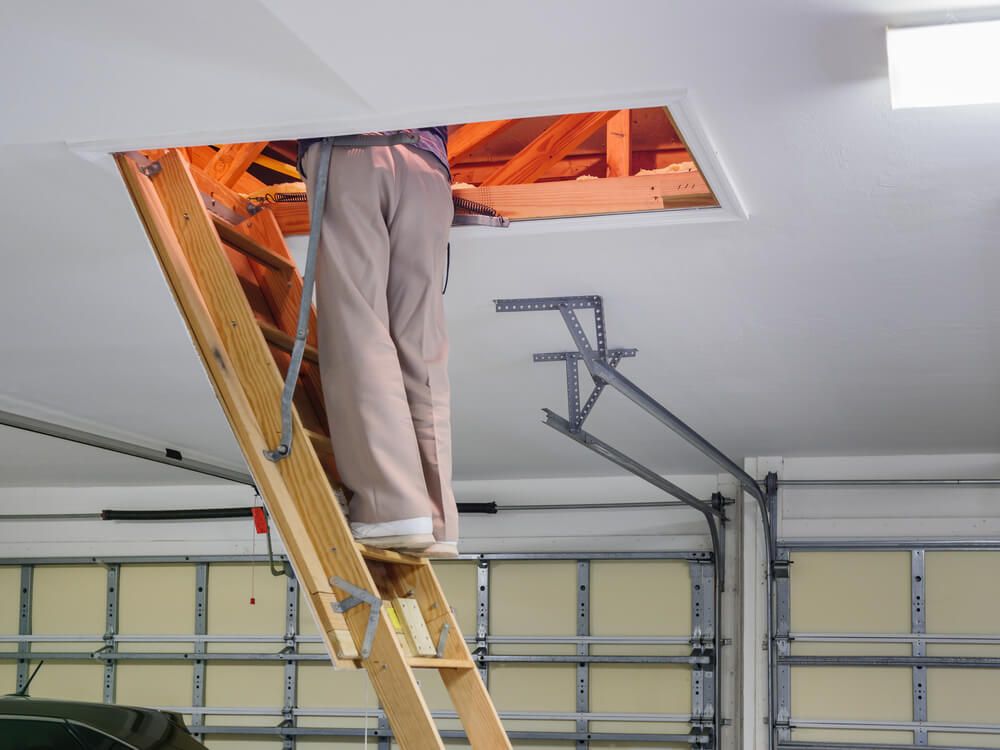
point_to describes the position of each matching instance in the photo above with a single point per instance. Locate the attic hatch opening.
(558, 166)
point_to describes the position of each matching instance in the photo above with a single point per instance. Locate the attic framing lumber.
(600, 196)
(551, 145)
(474, 134)
(619, 144)
(541, 200)
(232, 160)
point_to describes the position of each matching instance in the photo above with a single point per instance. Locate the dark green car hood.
(142, 728)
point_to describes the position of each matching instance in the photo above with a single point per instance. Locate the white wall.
(520, 531)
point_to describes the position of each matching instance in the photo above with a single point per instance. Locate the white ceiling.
(854, 312)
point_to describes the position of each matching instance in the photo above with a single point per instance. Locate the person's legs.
(370, 423)
(418, 239)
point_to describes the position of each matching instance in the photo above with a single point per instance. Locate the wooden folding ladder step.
(236, 285)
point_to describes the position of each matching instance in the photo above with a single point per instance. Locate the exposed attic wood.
(467, 137)
(553, 144)
(619, 144)
(231, 161)
(615, 161)
(553, 199)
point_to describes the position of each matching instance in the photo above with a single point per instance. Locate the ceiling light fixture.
(943, 66)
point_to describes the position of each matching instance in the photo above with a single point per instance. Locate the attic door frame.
(678, 101)
(699, 144)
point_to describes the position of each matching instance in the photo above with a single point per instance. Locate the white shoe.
(440, 551)
(409, 534)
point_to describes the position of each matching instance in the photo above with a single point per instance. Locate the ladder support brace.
(357, 597)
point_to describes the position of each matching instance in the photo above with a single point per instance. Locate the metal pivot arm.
(316, 208)
(597, 445)
(601, 448)
(357, 597)
(305, 304)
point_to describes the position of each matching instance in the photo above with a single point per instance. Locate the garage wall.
(527, 598)
(547, 529)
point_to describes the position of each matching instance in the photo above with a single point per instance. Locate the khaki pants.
(383, 346)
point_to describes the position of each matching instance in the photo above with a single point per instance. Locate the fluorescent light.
(942, 66)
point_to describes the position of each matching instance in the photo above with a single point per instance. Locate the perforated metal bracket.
(567, 306)
(357, 597)
(443, 640)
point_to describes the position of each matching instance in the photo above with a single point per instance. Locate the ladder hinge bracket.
(152, 169)
(443, 639)
(357, 597)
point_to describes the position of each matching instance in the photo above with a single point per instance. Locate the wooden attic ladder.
(239, 291)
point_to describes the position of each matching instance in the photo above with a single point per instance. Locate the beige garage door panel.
(641, 688)
(68, 600)
(965, 695)
(71, 681)
(859, 693)
(156, 600)
(858, 592)
(533, 687)
(533, 598)
(323, 687)
(230, 612)
(963, 592)
(244, 684)
(10, 595)
(332, 743)
(640, 597)
(458, 579)
(8, 677)
(852, 735)
(152, 684)
(963, 740)
(247, 743)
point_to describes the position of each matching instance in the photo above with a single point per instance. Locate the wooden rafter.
(231, 161)
(555, 142)
(574, 165)
(619, 144)
(599, 196)
(560, 198)
(468, 137)
(202, 156)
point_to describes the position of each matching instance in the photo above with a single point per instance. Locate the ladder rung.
(389, 556)
(432, 662)
(280, 339)
(320, 442)
(232, 236)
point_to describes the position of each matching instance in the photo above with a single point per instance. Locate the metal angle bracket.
(357, 597)
(442, 640)
(566, 306)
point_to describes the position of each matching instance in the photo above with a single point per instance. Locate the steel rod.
(816, 745)
(889, 483)
(931, 726)
(654, 739)
(976, 662)
(886, 544)
(169, 457)
(893, 638)
(502, 556)
(583, 437)
(350, 713)
(283, 657)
